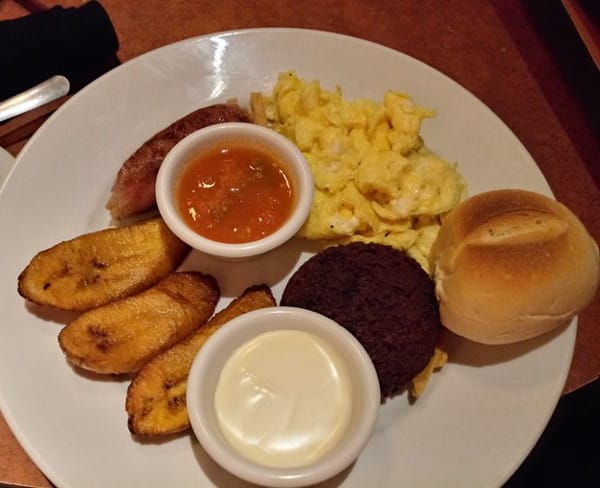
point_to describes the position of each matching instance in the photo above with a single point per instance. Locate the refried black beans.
(382, 296)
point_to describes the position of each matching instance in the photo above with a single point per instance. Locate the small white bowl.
(204, 376)
(289, 156)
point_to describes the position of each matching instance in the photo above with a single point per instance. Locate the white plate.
(479, 417)
(6, 163)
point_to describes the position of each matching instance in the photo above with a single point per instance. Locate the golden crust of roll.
(512, 264)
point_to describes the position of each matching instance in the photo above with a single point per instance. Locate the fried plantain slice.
(99, 267)
(156, 397)
(124, 335)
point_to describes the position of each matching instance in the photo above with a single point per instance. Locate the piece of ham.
(133, 190)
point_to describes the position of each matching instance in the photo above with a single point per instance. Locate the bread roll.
(512, 264)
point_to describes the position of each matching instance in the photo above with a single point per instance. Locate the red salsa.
(234, 193)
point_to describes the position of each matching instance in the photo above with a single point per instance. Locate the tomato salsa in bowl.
(234, 190)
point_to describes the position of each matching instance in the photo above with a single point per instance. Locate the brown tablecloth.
(491, 47)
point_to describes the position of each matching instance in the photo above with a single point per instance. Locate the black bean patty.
(382, 296)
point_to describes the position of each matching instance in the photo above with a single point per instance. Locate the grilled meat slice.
(133, 190)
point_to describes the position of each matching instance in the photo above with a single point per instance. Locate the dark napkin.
(79, 43)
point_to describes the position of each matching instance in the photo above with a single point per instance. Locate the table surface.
(494, 48)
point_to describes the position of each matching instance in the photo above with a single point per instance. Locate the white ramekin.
(289, 156)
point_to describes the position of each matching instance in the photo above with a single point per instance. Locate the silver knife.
(39, 95)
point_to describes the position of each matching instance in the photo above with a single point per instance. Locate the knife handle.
(47, 91)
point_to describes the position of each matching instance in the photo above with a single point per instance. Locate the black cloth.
(79, 43)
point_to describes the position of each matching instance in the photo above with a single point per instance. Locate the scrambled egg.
(375, 181)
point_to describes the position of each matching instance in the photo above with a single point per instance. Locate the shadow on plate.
(99, 377)
(466, 352)
(49, 314)
(234, 276)
(223, 479)
(149, 440)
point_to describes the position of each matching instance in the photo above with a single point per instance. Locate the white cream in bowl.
(284, 398)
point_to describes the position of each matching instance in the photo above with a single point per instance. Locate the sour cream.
(284, 399)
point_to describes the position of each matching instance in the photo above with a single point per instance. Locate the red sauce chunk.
(234, 193)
